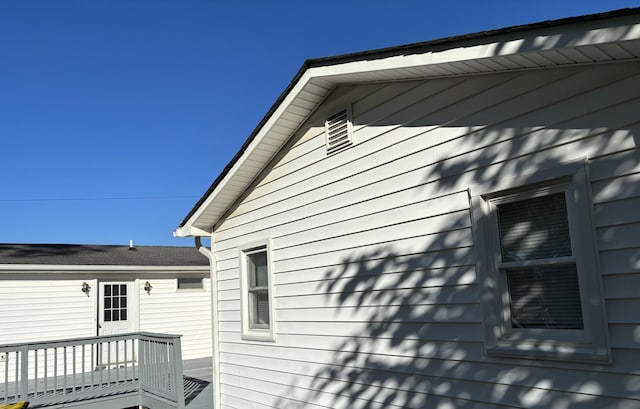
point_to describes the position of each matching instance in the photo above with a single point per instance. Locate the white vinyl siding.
(36, 308)
(374, 264)
(183, 312)
(51, 305)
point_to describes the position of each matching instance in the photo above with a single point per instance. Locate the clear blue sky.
(116, 116)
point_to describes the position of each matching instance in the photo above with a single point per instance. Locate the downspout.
(208, 253)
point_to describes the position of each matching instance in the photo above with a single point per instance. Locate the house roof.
(597, 38)
(100, 255)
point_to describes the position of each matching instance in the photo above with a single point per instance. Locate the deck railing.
(137, 369)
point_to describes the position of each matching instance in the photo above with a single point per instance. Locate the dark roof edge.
(385, 52)
(446, 41)
(94, 245)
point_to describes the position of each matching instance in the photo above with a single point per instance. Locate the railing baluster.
(167, 370)
(83, 367)
(126, 363)
(100, 353)
(24, 372)
(136, 364)
(6, 377)
(93, 362)
(35, 370)
(73, 362)
(143, 365)
(64, 379)
(154, 355)
(55, 370)
(46, 374)
(108, 361)
(17, 393)
(117, 361)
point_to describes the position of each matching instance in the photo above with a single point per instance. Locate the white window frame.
(249, 332)
(186, 289)
(587, 344)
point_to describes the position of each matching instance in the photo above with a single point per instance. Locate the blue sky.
(116, 116)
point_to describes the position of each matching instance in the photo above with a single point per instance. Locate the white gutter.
(214, 317)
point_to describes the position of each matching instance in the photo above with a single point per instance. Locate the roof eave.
(420, 60)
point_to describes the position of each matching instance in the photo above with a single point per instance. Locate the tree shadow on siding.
(417, 339)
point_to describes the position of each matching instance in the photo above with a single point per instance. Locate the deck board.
(198, 396)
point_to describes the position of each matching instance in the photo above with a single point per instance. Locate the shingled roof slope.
(89, 254)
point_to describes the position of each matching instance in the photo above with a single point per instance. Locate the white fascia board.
(43, 268)
(334, 72)
(539, 43)
(534, 42)
(190, 231)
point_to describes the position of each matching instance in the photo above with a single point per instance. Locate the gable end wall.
(376, 297)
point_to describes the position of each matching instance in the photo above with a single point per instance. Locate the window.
(539, 268)
(190, 283)
(257, 294)
(115, 302)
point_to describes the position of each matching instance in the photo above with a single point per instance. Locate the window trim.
(587, 344)
(250, 332)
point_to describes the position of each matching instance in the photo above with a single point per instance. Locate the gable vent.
(338, 131)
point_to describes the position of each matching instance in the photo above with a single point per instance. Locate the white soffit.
(562, 45)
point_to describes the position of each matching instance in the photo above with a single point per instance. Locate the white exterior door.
(116, 315)
(115, 310)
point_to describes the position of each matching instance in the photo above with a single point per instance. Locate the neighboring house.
(448, 224)
(51, 291)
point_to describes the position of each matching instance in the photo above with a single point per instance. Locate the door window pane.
(115, 302)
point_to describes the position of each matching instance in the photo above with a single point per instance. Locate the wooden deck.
(97, 372)
(198, 383)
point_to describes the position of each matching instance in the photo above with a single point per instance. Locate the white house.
(50, 291)
(448, 224)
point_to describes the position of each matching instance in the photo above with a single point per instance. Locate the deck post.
(24, 372)
(177, 370)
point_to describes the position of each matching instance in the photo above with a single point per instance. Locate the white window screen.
(258, 289)
(544, 294)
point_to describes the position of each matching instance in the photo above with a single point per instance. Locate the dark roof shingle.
(90, 254)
